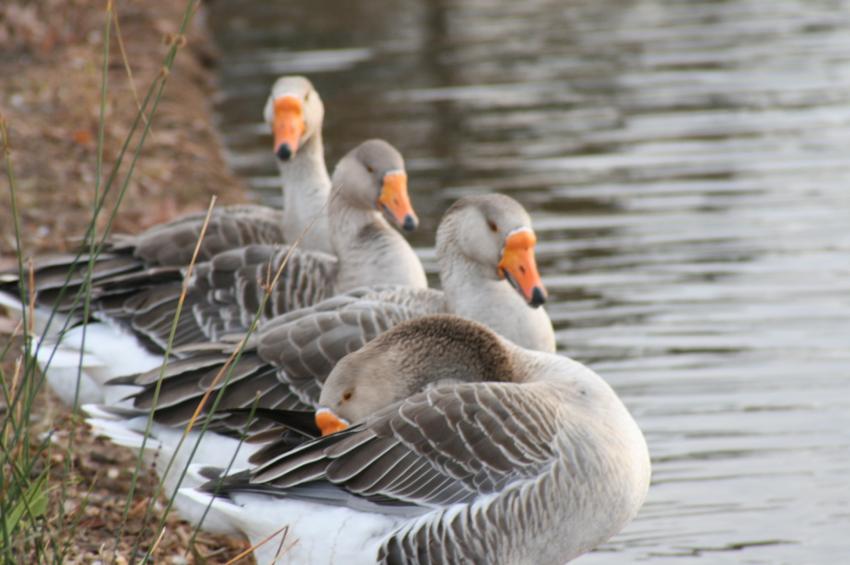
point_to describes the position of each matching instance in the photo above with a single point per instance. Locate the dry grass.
(94, 499)
(50, 101)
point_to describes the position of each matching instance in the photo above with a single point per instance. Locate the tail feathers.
(72, 386)
(98, 353)
(166, 448)
(205, 473)
(119, 434)
(107, 352)
(123, 426)
(110, 412)
(70, 373)
(58, 354)
(113, 347)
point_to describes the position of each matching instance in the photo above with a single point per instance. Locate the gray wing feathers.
(173, 244)
(445, 445)
(224, 294)
(248, 383)
(306, 348)
(296, 350)
(231, 287)
(132, 265)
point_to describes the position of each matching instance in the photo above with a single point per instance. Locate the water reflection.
(687, 166)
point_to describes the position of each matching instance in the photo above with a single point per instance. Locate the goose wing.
(224, 294)
(305, 348)
(172, 244)
(130, 263)
(285, 363)
(231, 287)
(445, 445)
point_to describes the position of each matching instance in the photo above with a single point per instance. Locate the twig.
(264, 541)
(124, 58)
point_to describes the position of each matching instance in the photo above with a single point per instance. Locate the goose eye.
(492, 225)
(347, 395)
(370, 169)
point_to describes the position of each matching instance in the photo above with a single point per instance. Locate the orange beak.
(520, 268)
(288, 126)
(328, 422)
(395, 201)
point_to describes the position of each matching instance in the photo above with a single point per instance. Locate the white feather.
(99, 353)
(300, 532)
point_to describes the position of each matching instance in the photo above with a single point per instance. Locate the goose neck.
(306, 186)
(370, 251)
(474, 291)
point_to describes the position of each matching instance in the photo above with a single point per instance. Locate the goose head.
(429, 350)
(493, 231)
(372, 176)
(294, 112)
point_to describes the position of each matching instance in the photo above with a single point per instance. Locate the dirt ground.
(51, 63)
(51, 54)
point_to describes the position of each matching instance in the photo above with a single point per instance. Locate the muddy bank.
(50, 100)
(51, 64)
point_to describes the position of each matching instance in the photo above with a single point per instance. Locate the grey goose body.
(465, 448)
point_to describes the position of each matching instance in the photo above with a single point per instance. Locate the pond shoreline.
(50, 102)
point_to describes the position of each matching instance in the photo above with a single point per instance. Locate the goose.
(225, 292)
(485, 249)
(462, 447)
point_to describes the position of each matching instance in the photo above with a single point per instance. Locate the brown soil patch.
(49, 99)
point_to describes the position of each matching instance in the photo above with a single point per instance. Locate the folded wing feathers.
(301, 353)
(250, 382)
(345, 467)
(229, 227)
(445, 445)
(174, 367)
(233, 284)
(309, 345)
(280, 468)
(166, 245)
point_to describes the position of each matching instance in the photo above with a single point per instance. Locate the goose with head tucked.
(462, 448)
(285, 362)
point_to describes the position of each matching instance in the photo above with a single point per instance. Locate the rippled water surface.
(687, 165)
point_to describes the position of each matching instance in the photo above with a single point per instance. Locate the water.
(687, 165)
